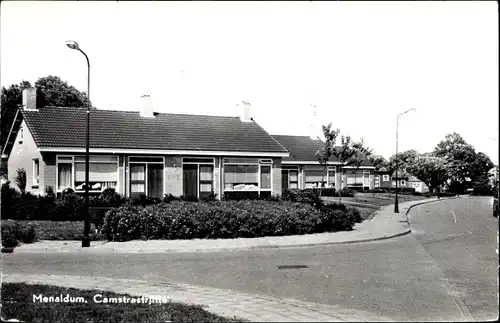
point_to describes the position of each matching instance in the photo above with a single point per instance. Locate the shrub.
(482, 189)
(329, 192)
(21, 180)
(223, 219)
(10, 199)
(416, 193)
(13, 234)
(307, 196)
(142, 200)
(241, 195)
(347, 192)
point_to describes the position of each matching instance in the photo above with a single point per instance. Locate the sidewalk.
(384, 225)
(227, 303)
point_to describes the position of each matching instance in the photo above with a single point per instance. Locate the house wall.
(23, 152)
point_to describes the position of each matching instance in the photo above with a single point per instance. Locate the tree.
(402, 161)
(51, 90)
(458, 155)
(56, 92)
(431, 170)
(465, 166)
(324, 154)
(20, 180)
(378, 162)
(349, 153)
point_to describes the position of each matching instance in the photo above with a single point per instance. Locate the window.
(331, 178)
(402, 182)
(289, 177)
(36, 172)
(206, 178)
(64, 176)
(354, 177)
(265, 177)
(241, 177)
(315, 176)
(21, 134)
(146, 176)
(385, 178)
(103, 172)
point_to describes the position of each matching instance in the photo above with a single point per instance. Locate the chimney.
(29, 99)
(245, 111)
(146, 107)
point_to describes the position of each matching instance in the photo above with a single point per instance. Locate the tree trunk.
(340, 195)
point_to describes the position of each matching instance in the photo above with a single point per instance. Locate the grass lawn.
(17, 303)
(56, 230)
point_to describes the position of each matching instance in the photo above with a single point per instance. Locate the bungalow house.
(382, 178)
(143, 151)
(302, 169)
(402, 178)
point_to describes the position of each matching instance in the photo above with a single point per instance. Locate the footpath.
(385, 224)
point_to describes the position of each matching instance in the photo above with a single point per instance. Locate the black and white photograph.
(249, 161)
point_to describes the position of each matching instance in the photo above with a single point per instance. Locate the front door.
(155, 180)
(284, 179)
(190, 180)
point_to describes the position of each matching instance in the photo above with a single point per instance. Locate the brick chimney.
(29, 99)
(147, 107)
(246, 115)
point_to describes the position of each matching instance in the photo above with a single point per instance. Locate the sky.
(358, 65)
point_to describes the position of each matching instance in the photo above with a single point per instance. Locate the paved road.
(424, 276)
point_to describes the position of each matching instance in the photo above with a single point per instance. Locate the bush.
(416, 193)
(13, 234)
(329, 192)
(482, 189)
(241, 195)
(142, 200)
(223, 219)
(307, 196)
(347, 192)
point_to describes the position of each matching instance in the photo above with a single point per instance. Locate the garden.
(27, 218)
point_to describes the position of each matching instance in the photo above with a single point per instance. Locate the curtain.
(64, 176)
(265, 177)
(206, 178)
(245, 174)
(137, 179)
(98, 172)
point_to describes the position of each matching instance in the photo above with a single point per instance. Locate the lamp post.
(86, 228)
(396, 204)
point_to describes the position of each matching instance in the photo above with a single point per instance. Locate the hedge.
(227, 219)
(13, 235)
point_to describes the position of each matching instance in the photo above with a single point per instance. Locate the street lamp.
(396, 204)
(86, 228)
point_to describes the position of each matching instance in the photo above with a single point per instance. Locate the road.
(446, 270)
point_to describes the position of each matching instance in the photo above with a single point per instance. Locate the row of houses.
(161, 153)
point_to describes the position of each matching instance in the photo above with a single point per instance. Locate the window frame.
(201, 161)
(288, 169)
(35, 179)
(385, 178)
(321, 183)
(146, 163)
(244, 162)
(71, 159)
(328, 170)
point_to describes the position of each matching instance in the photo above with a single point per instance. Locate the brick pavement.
(222, 302)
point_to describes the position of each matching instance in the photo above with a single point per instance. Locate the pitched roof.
(66, 127)
(304, 148)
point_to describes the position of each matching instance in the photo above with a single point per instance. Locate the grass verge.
(17, 303)
(56, 230)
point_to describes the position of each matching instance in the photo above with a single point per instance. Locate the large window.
(103, 173)
(36, 172)
(253, 175)
(315, 176)
(146, 176)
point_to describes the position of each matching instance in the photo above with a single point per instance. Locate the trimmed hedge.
(401, 190)
(13, 235)
(227, 219)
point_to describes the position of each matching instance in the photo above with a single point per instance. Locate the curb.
(399, 234)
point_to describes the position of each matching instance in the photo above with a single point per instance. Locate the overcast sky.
(359, 63)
